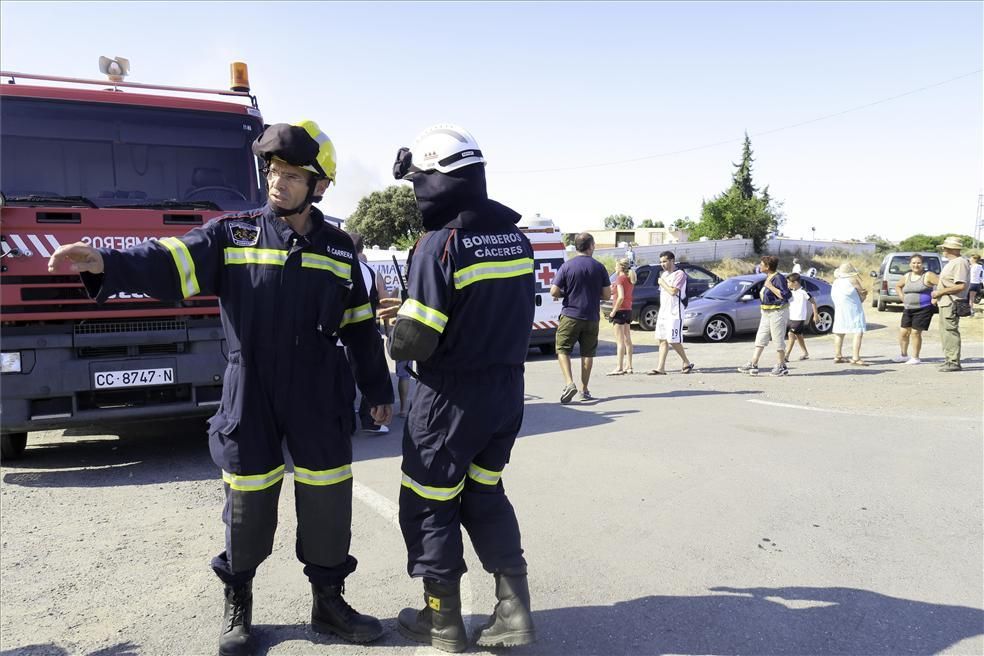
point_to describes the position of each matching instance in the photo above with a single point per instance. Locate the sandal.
(687, 369)
(616, 372)
(840, 360)
(656, 372)
(859, 363)
(629, 371)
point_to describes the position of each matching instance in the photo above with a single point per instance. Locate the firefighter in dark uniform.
(289, 286)
(467, 323)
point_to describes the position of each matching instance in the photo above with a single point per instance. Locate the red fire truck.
(111, 167)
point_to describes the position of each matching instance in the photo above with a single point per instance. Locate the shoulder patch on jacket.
(244, 234)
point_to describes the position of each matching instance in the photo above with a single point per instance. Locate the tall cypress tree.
(742, 178)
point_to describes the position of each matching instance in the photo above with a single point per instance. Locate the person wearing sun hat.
(848, 296)
(952, 285)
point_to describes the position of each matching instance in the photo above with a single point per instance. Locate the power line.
(757, 134)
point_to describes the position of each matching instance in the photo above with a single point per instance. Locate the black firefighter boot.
(511, 623)
(439, 622)
(237, 620)
(330, 613)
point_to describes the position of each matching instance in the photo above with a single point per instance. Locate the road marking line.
(391, 513)
(861, 414)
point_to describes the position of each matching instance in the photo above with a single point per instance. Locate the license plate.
(134, 377)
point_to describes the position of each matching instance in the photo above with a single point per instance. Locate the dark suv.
(645, 295)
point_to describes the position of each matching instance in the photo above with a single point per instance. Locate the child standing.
(798, 312)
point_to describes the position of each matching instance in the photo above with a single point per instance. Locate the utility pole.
(979, 223)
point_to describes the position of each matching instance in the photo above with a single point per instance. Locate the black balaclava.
(442, 197)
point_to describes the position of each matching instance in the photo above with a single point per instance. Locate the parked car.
(893, 267)
(645, 295)
(732, 307)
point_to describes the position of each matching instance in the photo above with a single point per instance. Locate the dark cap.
(291, 143)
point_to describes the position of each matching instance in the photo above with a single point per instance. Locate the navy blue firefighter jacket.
(285, 300)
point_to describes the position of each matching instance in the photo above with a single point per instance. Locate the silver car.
(732, 306)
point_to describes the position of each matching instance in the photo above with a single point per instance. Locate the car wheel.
(548, 349)
(718, 329)
(874, 301)
(12, 445)
(881, 305)
(647, 317)
(825, 321)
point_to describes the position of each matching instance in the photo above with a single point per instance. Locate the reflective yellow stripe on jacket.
(433, 493)
(255, 482)
(341, 269)
(255, 256)
(356, 314)
(414, 309)
(184, 263)
(492, 271)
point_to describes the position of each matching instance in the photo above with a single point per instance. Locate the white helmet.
(445, 147)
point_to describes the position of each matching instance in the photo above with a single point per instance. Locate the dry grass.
(825, 263)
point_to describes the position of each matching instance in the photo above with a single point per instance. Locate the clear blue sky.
(547, 86)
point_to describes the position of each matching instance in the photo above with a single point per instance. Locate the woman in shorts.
(915, 289)
(621, 316)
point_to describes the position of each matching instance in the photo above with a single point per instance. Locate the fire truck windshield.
(122, 155)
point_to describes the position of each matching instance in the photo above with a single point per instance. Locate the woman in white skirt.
(848, 296)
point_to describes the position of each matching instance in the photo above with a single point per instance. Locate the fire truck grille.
(107, 327)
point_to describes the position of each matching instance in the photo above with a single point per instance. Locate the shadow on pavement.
(769, 621)
(144, 453)
(849, 371)
(122, 649)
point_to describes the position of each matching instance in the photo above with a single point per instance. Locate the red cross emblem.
(546, 274)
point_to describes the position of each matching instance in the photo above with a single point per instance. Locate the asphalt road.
(835, 511)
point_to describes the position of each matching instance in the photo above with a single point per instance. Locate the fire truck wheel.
(12, 445)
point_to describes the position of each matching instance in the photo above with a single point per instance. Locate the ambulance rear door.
(548, 255)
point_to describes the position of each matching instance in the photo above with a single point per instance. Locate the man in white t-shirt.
(799, 310)
(796, 267)
(669, 321)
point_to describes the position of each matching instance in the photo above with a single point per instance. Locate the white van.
(548, 254)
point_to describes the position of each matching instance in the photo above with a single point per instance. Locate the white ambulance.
(548, 254)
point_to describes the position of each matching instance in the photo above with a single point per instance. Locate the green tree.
(685, 224)
(929, 243)
(740, 210)
(619, 222)
(647, 223)
(388, 218)
(882, 245)
(742, 177)
(731, 214)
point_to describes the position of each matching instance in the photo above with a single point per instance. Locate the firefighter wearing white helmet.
(444, 148)
(289, 287)
(466, 322)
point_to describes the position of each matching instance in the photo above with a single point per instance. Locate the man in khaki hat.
(952, 285)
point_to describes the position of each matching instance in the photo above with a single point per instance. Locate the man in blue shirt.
(583, 283)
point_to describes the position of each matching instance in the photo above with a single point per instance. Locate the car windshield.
(727, 290)
(105, 155)
(900, 264)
